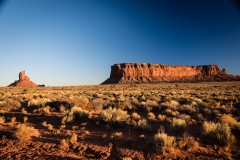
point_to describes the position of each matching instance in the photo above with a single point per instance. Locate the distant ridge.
(154, 73)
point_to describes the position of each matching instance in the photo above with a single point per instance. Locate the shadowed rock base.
(154, 73)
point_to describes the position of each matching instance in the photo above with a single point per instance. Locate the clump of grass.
(24, 111)
(98, 104)
(13, 120)
(187, 142)
(104, 136)
(163, 141)
(2, 119)
(73, 138)
(25, 119)
(74, 128)
(161, 117)
(228, 119)
(143, 125)
(151, 116)
(75, 113)
(114, 116)
(142, 136)
(178, 124)
(118, 135)
(221, 133)
(25, 132)
(43, 110)
(49, 126)
(63, 142)
(136, 116)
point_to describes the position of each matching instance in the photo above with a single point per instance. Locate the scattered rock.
(154, 73)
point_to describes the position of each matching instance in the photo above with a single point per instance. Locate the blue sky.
(75, 42)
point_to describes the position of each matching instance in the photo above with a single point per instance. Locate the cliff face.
(24, 81)
(148, 73)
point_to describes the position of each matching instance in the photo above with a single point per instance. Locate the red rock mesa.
(155, 73)
(24, 81)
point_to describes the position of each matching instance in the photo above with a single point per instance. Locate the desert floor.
(135, 121)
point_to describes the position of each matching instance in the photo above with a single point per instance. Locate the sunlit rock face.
(154, 73)
(24, 81)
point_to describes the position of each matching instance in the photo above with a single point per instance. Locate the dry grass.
(24, 132)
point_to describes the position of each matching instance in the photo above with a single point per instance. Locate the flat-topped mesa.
(148, 73)
(24, 81)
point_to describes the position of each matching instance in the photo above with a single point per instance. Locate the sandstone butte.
(24, 81)
(125, 73)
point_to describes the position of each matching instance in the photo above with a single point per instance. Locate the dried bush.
(161, 117)
(98, 104)
(163, 141)
(186, 109)
(178, 124)
(25, 132)
(151, 116)
(43, 110)
(187, 142)
(143, 125)
(228, 119)
(136, 116)
(221, 133)
(113, 116)
(73, 138)
(40, 102)
(75, 113)
(9, 104)
(2, 119)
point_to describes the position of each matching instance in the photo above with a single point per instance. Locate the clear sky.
(75, 42)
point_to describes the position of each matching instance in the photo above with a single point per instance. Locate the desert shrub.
(114, 116)
(163, 141)
(73, 138)
(170, 104)
(118, 135)
(142, 136)
(43, 110)
(178, 124)
(63, 142)
(2, 119)
(221, 133)
(161, 117)
(187, 142)
(186, 109)
(9, 104)
(125, 105)
(151, 116)
(136, 116)
(169, 112)
(97, 104)
(40, 102)
(237, 126)
(25, 119)
(143, 125)
(203, 105)
(75, 113)
(228, 119)
(82, 102)
(184, 117)
(24, 111)
(25, 132)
